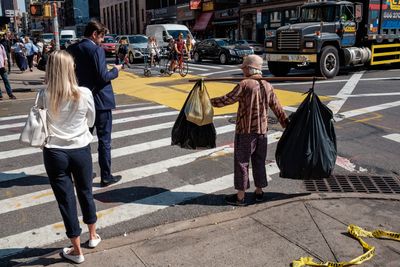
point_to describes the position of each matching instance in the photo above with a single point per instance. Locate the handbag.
(198, 108)
(35, 132)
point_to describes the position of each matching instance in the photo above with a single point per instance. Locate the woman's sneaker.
(74, 258)
(233, 200)
(94, 242)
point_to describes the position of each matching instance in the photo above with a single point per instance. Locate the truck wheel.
(328, 62)
(279, 69)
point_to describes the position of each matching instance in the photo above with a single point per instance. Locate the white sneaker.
(94, 242)
(74, 258)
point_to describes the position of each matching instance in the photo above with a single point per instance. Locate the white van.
(163, 32)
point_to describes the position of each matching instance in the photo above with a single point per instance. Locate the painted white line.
(197, 68)
(218, 72)
(119, 111)
(54, 232)
(361, 111)
(45, 196)
(30, 150)
(393, 137)
(207, 66)
(25, 115)
(145, 117)
(347, 89)
(368, 95)
(119, 152)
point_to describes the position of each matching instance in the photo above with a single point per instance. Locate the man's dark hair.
(95, 26)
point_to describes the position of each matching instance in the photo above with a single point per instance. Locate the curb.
(214, 219)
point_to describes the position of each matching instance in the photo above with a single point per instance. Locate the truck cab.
(326, 35)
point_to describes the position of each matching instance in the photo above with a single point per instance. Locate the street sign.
(9, 13)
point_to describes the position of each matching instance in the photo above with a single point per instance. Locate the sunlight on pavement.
(172, 91)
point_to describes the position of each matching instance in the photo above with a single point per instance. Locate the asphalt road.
(163, 183)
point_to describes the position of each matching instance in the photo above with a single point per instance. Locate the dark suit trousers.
(103, 125)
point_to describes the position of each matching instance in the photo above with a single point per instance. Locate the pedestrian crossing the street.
(156, 177)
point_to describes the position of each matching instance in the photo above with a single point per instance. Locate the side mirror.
(359, 13)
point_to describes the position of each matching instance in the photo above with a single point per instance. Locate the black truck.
(332, 34)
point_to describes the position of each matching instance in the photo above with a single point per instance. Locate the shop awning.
(202, 21)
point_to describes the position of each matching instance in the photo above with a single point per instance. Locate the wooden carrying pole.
(268, 79)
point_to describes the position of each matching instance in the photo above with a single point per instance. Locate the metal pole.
(55, 25)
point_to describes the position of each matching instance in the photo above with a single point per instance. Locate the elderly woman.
(254, 98)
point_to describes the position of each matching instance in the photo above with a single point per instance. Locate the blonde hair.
(61, 81)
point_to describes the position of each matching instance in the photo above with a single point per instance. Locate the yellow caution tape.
(357, 232)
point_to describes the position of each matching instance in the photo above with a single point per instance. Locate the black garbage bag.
(189, 135)
(307, 148)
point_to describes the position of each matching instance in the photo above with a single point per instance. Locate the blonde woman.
(67, 156)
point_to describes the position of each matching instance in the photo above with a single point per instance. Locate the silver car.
(137, 46)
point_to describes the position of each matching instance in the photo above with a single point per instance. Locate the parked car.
(223, 50)
(113, 35)
(137, 46)
(109, 45)
(257, 47)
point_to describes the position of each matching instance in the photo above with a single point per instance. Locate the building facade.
(123, 16)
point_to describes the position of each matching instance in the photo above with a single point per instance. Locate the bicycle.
(159, 60)
(182, 65)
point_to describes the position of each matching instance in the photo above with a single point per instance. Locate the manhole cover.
(354, 183)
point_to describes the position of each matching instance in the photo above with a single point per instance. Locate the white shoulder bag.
(35, 131)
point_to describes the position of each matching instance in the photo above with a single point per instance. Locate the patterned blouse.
(252, 114)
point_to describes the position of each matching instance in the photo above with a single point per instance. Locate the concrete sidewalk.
(273, 233)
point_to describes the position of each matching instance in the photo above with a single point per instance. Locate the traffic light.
(36, 10)
(47, 10)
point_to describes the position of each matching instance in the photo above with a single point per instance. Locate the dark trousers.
(30, 60)
(8, 61)
(103, 125)
(4, 77)
(254, 147)
(61, 165)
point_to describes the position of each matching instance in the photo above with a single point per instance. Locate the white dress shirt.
(70, 128)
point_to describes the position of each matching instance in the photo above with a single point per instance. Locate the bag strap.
(43, 115)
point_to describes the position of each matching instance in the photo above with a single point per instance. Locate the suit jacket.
(91, 71)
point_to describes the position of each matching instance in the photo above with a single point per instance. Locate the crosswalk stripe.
(197, 68)
(361, 111)
(218, 72)
(50, 234)
(119, 111)
(115, 135)
(45, 196)
(393, 137)
(15, 117)
(119, 152)
(207, 66)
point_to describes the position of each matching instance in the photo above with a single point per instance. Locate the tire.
(223, 59)
(168, 72)
(279, 69)
(131, 58)
(196, 57)
(185, 68)
(147, 72)
(328, 64)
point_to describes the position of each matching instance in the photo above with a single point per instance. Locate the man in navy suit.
(91, 71)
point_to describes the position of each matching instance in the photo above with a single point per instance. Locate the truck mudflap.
(299, 58)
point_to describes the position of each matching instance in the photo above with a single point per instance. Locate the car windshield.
(318, 13)
(137, 39)
(175, 33)
(222, 42)
(48, 36)
(68, 36)
(108, 40)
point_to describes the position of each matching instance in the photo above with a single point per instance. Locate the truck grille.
(289, 40)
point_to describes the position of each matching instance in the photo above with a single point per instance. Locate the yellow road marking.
(172, 91)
